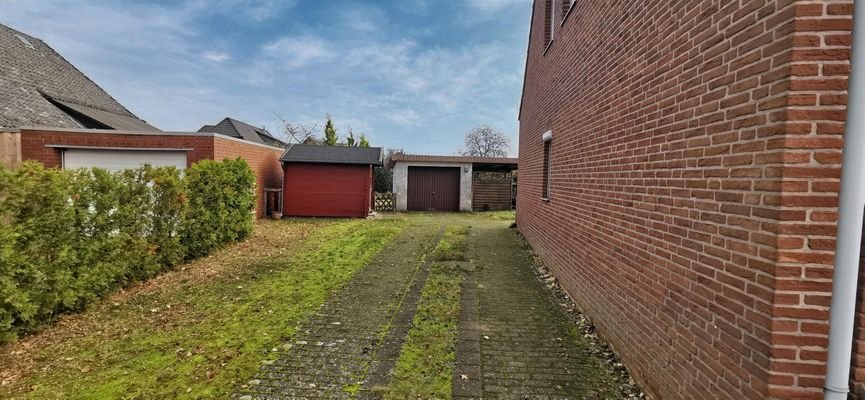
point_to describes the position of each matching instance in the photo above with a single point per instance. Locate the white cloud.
(298, 51)
(217, 57)
(496, 5)
(361, 18)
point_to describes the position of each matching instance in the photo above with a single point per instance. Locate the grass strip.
(202, 338)
(426, 362)
(425, 366)
(452, 246)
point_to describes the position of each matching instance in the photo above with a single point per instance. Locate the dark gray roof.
(302, 153)
(38, 87)
(242, 130)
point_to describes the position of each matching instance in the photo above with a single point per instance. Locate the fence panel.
(385, 202)
(10, 149)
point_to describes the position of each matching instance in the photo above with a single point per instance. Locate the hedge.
(69, 237)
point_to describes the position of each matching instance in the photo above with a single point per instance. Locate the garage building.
(452, 183)
(116, 150)
(329, 181)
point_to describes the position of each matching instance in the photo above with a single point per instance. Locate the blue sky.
(412, 74)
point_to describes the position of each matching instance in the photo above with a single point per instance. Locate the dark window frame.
(547, 169)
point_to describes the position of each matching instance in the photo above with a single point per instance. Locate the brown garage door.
(433, 189)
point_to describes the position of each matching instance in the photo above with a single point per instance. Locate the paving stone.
(336, 347)
(524, 348)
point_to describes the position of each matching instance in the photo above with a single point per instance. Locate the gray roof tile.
(239, 129)
(32, 74)
(333, 154)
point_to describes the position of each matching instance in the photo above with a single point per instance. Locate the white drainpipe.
(850, 213)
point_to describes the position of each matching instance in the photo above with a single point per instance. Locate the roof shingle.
(239, 129)
(301, 153)
(33, 78)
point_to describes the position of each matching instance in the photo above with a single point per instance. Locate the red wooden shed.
(328, 181)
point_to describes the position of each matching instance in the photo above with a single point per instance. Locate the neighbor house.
(52, 113)
(241, 130)
(329, 181)
(679, 170)
(452, 183)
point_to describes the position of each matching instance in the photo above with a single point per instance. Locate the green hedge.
(69, 237)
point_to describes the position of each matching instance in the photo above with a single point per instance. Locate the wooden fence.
(492, 191)
(385, 202)
(10, 150)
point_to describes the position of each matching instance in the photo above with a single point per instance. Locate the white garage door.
(122, 159)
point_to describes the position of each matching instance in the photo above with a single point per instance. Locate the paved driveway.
(514, 340)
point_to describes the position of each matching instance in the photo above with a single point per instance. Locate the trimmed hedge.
(69, 237)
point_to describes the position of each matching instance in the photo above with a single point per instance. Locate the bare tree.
(486, 141)
(298, 133)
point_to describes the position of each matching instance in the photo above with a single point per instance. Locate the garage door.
(433, 189)
(327, 190)
(115, 160)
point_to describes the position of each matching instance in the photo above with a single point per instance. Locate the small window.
(549, 21)
(548, 142)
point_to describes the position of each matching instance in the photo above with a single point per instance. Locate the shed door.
(433, 189)
(116, 160)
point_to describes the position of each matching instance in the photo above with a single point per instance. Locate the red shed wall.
(327, 190)
(263, 160)
(695, 165)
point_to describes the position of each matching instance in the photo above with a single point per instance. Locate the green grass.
(508, 215)
(203, 336)
(425, 366)
(452, 245)
(426, 362)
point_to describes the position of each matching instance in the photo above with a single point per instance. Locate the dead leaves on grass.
(109, 319)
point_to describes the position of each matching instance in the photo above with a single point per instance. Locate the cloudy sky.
(412, 74)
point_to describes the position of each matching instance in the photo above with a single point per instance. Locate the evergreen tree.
(350, 139)
(363, 141)
(329, 133)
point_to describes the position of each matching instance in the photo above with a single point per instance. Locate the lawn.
(201, 330)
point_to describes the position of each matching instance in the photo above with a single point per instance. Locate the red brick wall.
(263, 160)
(695, 162)
(33, 144)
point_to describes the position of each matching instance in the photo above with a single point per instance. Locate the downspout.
(850, 213)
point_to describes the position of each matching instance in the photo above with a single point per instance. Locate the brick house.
(241, 130)
(679, 173)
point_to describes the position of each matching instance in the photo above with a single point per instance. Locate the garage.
(328, 181)
(423, 182)
(433, 189)
(120, 159)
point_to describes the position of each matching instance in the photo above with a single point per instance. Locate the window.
(549, 21)
(548, 142)
(555, 12)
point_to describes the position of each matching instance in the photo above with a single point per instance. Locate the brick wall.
(695, 165)
(263, 160)
(34, 142)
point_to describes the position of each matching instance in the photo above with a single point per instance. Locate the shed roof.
(302, 153)
(38, 87)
